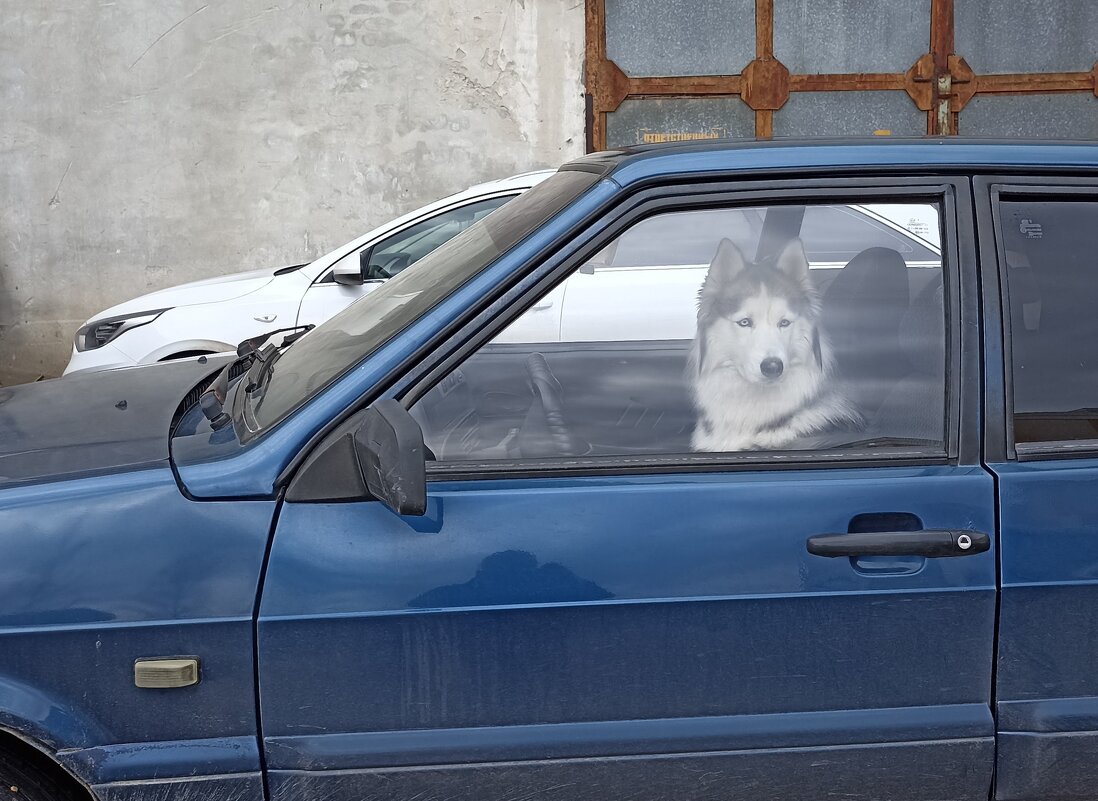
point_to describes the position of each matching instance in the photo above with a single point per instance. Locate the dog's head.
(758, 319)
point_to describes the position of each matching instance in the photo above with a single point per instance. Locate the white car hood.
(211, 290)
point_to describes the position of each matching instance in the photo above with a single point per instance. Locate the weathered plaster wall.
(148, 142)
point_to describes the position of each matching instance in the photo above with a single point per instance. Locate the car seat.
(914, 407)
(861, 314)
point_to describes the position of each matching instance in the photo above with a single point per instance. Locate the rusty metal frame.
(939, 83)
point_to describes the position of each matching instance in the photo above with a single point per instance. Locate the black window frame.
(990, 190)
(963, 374)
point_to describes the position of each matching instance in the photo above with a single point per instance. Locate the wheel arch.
(18, 744)
(171, 350)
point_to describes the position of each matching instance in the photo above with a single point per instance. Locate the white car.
(214, 315)
(659, 265)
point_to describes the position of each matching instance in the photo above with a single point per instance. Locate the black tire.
(29, 775)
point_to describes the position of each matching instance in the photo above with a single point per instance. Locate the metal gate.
(675, 70)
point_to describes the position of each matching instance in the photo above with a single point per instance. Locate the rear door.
(1039, 245)
(591, 609)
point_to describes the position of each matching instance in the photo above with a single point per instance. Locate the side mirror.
(391, 456)
(348, 276)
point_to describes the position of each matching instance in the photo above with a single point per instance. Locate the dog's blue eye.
(784, 323)
(744, 323)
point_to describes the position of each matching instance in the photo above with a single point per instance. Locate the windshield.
(334, 347)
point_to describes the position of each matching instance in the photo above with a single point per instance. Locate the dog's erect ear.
(792, 261)
(726, 265)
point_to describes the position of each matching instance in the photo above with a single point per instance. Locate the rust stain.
(701, 85)
(764, 123)
(764, 28)
(918, 82)
(849, 82)
(963, 85)
(941, 48)
(1047, 82)
(595, 23)
(765, 84)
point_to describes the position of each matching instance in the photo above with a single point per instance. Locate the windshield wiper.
(212, 400)
(266, 363)
(250, 346)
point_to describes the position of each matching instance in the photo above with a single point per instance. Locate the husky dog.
(760, 369)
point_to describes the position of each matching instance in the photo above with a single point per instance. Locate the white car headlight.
(98, 333)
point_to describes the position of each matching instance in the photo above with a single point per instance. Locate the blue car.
(702, 471)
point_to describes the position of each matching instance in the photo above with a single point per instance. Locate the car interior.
(884, 320)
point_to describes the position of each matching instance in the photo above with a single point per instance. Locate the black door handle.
(929, 542)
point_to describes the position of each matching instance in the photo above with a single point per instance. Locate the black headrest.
(868, 296)
(877, 273)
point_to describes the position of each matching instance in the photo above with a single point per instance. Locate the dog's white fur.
(749, 314)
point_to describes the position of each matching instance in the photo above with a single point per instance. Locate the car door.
(590, 608)
(1039, 238)
(389, 256)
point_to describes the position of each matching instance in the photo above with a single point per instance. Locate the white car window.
(404, 248)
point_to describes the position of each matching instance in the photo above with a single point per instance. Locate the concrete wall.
(144, 143)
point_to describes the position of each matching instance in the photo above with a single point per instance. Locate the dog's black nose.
(772, 367)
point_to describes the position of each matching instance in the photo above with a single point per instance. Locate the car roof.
(631, 165)
(524, 180)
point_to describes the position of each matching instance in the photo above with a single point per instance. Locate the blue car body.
(617, 631)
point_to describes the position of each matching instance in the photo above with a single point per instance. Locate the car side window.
(404, 248)
(716, 330)
(839, 233)
(1048, 257)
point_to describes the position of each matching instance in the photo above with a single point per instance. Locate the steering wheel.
(546, 427)
(390, 265)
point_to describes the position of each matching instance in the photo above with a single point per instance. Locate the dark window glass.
(1051, 255)
(717, 330)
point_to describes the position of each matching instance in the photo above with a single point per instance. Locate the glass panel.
(409, 246)
(1050, 251)
(744, 328)
(849, 113)
(1046, 36)
(641, 121)
(680, 37)
(836, 36)
(1066, 116)
(406, 247)
(335, 346)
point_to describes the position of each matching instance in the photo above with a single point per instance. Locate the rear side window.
(1050, 259)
